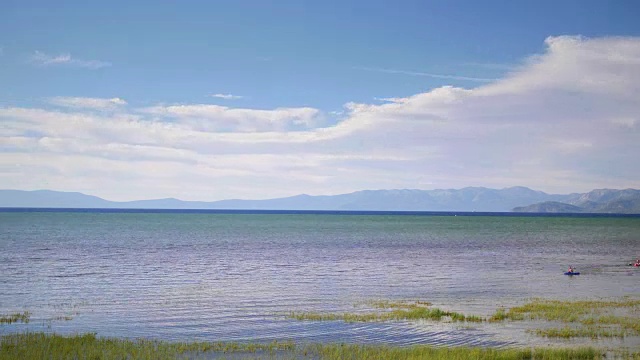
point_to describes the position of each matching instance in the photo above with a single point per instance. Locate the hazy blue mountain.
(51, 199)
(602, 196)
(549, 207)
(466, 199)
(610, 201)
(622, 206)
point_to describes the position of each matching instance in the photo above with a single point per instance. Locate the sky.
(211, 100)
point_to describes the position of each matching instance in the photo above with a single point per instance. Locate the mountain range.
(518, 199)
(607, 201)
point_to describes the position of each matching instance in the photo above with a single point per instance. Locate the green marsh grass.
(87, 346)
(566, 311)
(567, 332)
(418, 310)
(594, 319)
(344, 351)
(15, 317)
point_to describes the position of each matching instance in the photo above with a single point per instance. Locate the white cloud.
(609, 61)
(87, 103)
(42, 59)
(221, 118)
(227, 96)
(392, 99)
(564, 121)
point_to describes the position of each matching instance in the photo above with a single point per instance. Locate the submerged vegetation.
(88, 346)
(584, 319)
(566, 311)
(15, 317)
(418, 310)
(593, 319)
(438, 353)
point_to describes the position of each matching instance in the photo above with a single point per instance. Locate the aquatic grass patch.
(89, 346)
(347, 317)
(499, 315)
(474, 318)
(421, 313)
(15, 317)
(398, 311)
(568, 332)
(566, 311)
(593, 319)
(349, 351)
(629, 324)
(590, 318)
(62, 317)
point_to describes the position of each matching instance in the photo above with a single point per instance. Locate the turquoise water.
(235, 277)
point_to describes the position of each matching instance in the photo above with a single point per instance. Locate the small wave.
(74, 275)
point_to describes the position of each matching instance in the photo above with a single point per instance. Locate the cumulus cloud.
(566, 120)
(577, 64)
(42, 59)
(87, 102)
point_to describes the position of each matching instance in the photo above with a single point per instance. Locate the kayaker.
(637, 263)
(570, 269)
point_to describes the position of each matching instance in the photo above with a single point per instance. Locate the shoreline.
(587, 329)
(42, 345)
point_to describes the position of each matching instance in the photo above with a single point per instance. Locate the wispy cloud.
(227, 96)
(391, 99)
(42, 59)
(431, 75)
(87, 102)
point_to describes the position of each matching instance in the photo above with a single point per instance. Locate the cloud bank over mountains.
(565, 120)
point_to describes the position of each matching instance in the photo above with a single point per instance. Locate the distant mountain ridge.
(607, 201)
(520, 199)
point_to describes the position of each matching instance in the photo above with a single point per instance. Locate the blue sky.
(288, 97)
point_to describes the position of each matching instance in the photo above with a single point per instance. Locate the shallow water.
(235, 277)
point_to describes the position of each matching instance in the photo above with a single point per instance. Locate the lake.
(237, 276)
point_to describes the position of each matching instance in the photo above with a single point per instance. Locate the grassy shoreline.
(89, 346)
(565, 319)
(592, 319)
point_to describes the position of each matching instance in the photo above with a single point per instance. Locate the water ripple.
(236, 277)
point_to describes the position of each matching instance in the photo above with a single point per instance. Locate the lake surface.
(235, 277)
